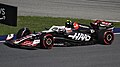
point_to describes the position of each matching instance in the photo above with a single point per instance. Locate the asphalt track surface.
(77, 56)
(87, 9)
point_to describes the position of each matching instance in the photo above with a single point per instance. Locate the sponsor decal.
(22, 39)
(8, 14)
(36, 41)
(2, 14)
(80, 36)
(10, 36)
(26, 43)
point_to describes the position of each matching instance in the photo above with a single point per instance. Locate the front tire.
(47, 41)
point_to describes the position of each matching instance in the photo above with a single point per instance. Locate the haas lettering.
(80, 36)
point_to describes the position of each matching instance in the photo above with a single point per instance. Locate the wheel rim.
(108, 37)
(49, 41)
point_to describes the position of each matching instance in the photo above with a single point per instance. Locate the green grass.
(38, 23)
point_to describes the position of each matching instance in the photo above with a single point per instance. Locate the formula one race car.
(72, 34)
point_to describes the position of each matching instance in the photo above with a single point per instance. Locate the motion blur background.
(86, 9)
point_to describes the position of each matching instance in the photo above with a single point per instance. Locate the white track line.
(116, 33)
(2, 41)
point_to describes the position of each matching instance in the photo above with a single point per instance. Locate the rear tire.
(105, 37)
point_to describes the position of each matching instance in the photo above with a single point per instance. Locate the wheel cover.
(108, 37)
(49, 41)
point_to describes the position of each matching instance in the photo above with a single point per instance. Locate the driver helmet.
(68, 24)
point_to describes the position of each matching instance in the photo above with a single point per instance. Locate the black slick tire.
(105, 37)
(46, 41)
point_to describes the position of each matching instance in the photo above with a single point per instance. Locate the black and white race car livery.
(73, 33)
